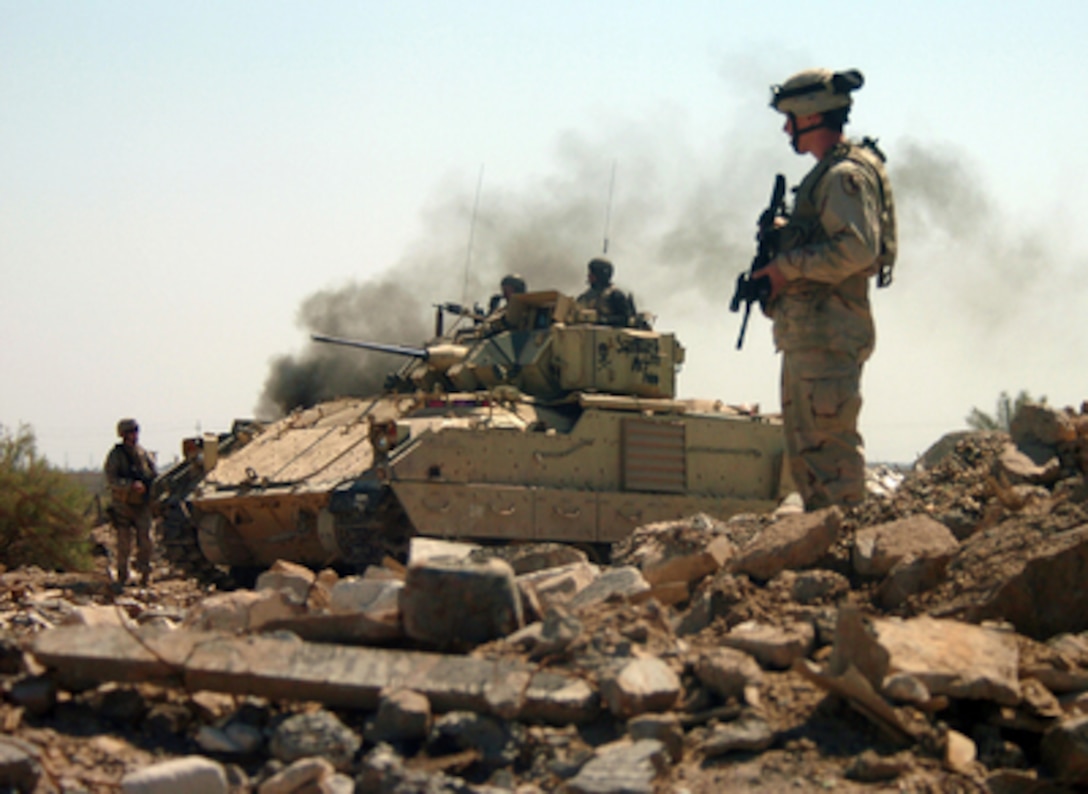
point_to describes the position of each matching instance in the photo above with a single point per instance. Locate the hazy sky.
(177, 180)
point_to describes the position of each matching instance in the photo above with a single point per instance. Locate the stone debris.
(933, 638)
(794, 541)
(453, 603)
(178, 776)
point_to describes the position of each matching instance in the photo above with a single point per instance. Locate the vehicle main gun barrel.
(397, 350)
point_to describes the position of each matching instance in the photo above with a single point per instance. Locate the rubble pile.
(933, 639)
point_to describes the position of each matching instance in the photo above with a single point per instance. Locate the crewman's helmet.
(126, 426)
(601, 270)
(816, 91)
(513, 282)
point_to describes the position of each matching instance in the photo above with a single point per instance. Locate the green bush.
(42, 512)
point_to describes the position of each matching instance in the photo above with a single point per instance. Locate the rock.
(377, 598)
(178, 776)
(19, 766)
(1038, 588)
(317, 733)
(293, 579)
(622, 767)
(747, 734)
(625, 581)
(37, 694)
(557, 586)
(495, 740)
(242, 610)
(960, 752)
(640, 685)
(527, 558)
(772, 646)
(794, 541)
(1039, 430)
(878, 549)
(906, 688)
(213, 740)
(664, 728)
(816, 586)
(423, 549)
(402, 715)
(559, 700)
(953, 658)
(306, 772)
(558, 631)
(456, 604)
(856, 645)
(869, 767)
(727, 672)
(1017, 467)
(1064, 750)
(910, 576)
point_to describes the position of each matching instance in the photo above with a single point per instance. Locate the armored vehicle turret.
(535, 423)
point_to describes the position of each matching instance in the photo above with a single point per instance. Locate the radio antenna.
(608, 207)
(471, 234)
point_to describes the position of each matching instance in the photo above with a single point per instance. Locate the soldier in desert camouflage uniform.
(130, 474)
(840, 233)
(613, 305)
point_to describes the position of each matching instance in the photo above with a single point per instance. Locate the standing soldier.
(130, 473)
(840, 233)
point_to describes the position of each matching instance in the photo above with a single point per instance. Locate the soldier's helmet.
(816, 91)
(601, 270)
(126, 426)
(513, 282)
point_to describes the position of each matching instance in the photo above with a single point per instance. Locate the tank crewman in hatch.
(130, 473)
(511, 284)
(840, 232)
(613, 305)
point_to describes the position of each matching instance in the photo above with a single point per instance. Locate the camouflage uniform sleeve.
(848, 198)
(112, 470)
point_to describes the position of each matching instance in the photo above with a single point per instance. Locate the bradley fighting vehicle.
(536, 424)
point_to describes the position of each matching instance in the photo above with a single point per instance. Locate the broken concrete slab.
(640, 685)
(285, 666)
(625, 581)
(622, 766)
(242, 610)
(457, 604)
(952, 658)
(877, 549)
(557, 586)
(559, 700)
(294, 579)
(677, 551)
(423, 549)
(358, 629)
(793, 541)
(377, 598)
(776, 647)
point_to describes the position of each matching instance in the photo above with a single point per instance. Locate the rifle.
(749, 290)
